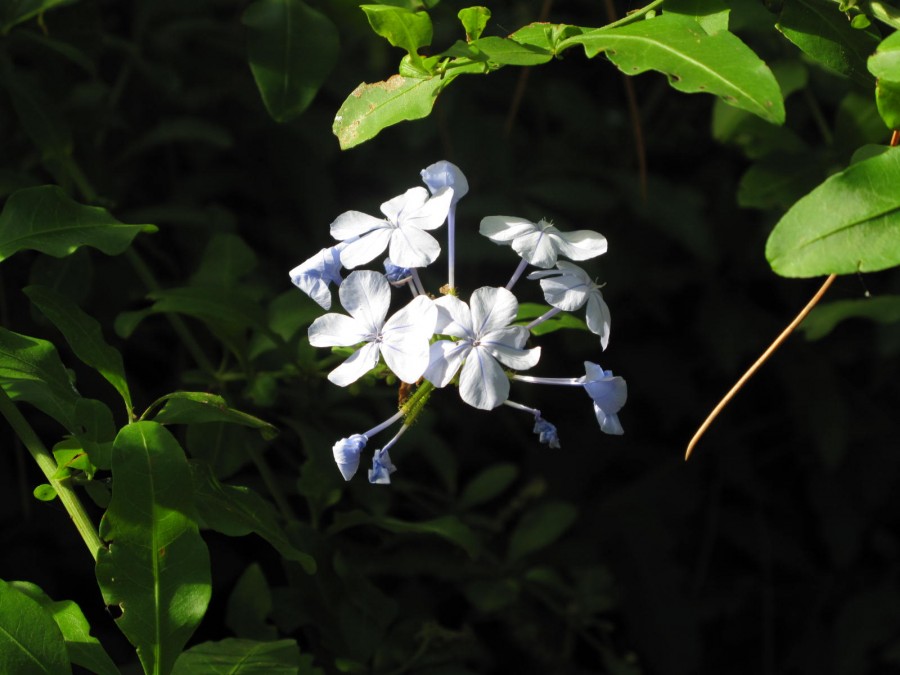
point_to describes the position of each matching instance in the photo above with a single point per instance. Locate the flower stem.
(451, 248)
(384, 425)
(416, 402)
(543, 317)
(417, 281)
(48, 466)
(565, 381)
(524, 408)
(515, 277)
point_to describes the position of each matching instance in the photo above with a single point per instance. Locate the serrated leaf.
(156, 567)
(848, 224)
(84, 649)
(291, 48)
(14, 12)
(823, 33)
(825, 317)
(693, 60)
(30, 370)
(373, 107)
(198, 407)
(474, 20)
(83, 334)
(30, 641)
(238, 511)
(240, 657)
(45, 219)
(540, 527)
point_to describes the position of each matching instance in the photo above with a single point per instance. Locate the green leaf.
(84, 650)
(823, 33)
(40, 118)
(540, 527)
(45, 219)
(778, 180)
(30, 641)
(401, 27)
(712, 15)
(291, 48)
(44, 492)
(250, 605)
(95, 430)
(237, 511)
(693, 61)
(887, 98)
(240, 657)
(30, 370)
(507, 52)
(450, 528)
(885, 62)
(848, 224)
(14, 12)
(373, 107)
(156, 567)
(530, 310)
(84, 336)
(825, 317)
(226, 260)
(474, 19)
(197, 407)
(488, 484)
(546, 36)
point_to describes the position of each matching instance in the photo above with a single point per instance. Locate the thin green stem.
(180, 327)
(636, 15)
(48, 466)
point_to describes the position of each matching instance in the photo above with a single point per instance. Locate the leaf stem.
(48, 466)
(636, 15)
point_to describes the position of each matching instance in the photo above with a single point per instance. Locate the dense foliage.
(170, 497)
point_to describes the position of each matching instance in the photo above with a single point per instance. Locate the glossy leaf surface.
(30, 641)
(240, 657)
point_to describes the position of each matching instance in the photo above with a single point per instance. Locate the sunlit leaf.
(83, 648)
(240, 657)
(292, 49)
(693, 60)
(45, 219)
(712, 15)
(404, 28)
(30, 370)
(84, 336)
(474, 20)
(30, 641)
(197, 407)
(156, 567)
(848, 224)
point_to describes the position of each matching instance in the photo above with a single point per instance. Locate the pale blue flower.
(396, 274)
(546, 432)
(346, 454)
(540, 243)
(569, 288)
(608, 393)
(402, 231)
(402, 340)
(382, 468)
(445, 174)
(313, 275)
(484, 341)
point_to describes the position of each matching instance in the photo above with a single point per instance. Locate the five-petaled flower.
(402, 340)
(609, 393)
(483, 338)
(402, 231)
(313, 275)
(540, 243)
(568, 288)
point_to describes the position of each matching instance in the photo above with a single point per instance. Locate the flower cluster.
(430, 343)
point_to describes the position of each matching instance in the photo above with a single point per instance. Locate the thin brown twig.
(756, 365)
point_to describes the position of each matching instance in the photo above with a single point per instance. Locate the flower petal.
(313, 275)
(346, 454)
(355, 223)
(598, 321)
(609, 424)
(405, 336)
(445, 358)
(482, 382)
(358, 364)
(412, 247)
(580, 244)
(517, 359)
(367, 247)
(429, 215)
(503, 229)
(492, 308)
(536, 248)
(454, 318)
(366, 295)
(411, 200)
(446, 174)
(336, 330)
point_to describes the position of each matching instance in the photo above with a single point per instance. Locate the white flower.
(313, 275)
(402, 340)
(445, 174)
(540, 243)
(568, 288)
(485, 337)
(609, 394)
(402, 232)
